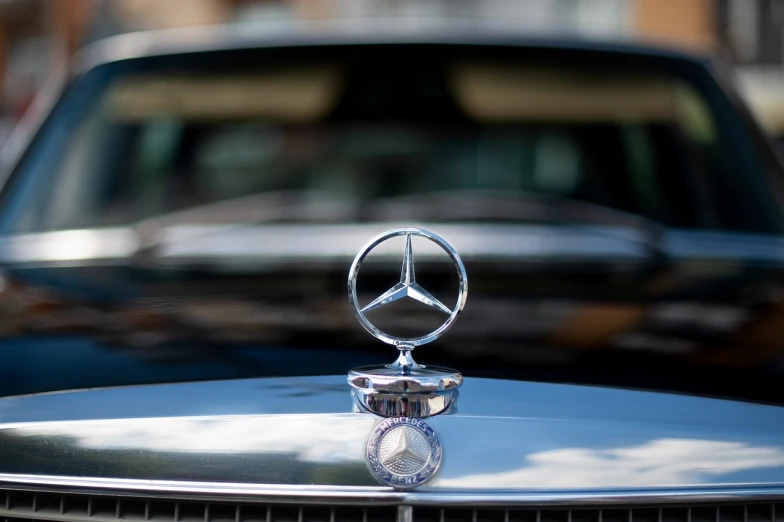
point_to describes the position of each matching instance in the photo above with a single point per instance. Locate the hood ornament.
(405, 388)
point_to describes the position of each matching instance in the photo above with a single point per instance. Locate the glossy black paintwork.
(706, 326)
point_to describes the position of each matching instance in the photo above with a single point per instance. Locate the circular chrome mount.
(422, 392)
(405, 388)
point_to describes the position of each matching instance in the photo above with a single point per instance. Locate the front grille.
(729, 512)
(17, 505)
(36, 506)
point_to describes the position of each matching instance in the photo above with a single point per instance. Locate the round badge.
(404, 452)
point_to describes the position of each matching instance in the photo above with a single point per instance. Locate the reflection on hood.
(659, 461)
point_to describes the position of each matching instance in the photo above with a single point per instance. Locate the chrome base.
(419, 392)
(414, 405)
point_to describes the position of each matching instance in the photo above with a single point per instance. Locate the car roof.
(225, 37)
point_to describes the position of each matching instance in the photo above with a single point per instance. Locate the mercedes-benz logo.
(408, 287)
(404, 452)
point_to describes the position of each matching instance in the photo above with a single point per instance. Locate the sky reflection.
(657, 462)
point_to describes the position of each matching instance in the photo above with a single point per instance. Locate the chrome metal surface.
(408, 287)
(265, 435)
(308, 495)
(422, 392)
(411, 405)
(405, 364)
(405, 387)
(404, 452)
(429, 379)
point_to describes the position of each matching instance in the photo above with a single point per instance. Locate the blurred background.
(192, 214)
(37, 35)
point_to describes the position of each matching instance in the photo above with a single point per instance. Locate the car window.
(317, 142)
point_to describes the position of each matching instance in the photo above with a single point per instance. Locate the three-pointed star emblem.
(403, 448)
(407, 287)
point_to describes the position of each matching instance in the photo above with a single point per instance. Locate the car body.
(186, 343)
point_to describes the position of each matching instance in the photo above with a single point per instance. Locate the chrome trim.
(405, 514)
(364, 496)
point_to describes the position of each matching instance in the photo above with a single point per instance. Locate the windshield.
(396, 136)
(194, 216)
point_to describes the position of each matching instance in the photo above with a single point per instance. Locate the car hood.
(503, 435)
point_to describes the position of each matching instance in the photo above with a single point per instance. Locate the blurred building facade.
(37, 35)
(751, 32)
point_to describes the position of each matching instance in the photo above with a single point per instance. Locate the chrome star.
(405, 451)
(407, 287)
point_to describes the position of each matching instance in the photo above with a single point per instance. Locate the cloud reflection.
(655, 463)
(327, 439)
(333, 440)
